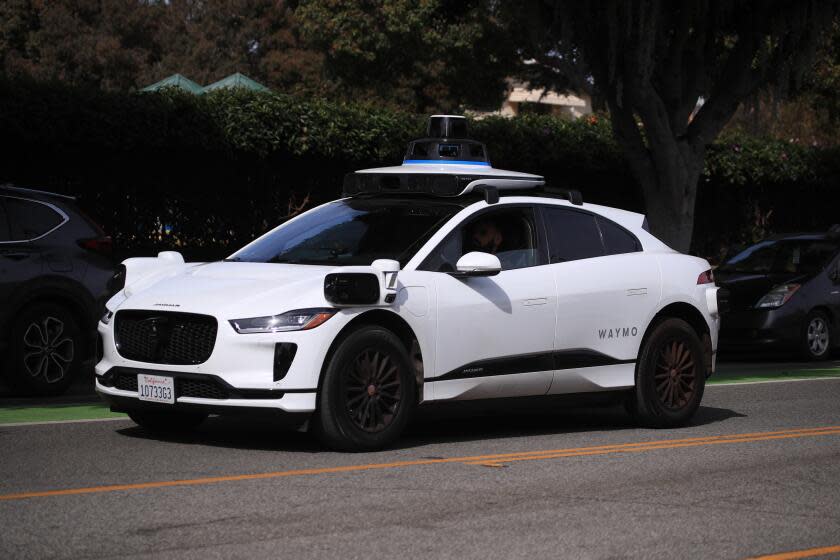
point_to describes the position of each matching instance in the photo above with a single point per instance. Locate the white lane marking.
(730, 383)
(47, 422)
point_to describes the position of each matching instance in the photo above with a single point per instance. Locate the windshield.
(352, 232)
(798, 256)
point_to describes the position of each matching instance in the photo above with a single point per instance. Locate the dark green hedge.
(205, 174)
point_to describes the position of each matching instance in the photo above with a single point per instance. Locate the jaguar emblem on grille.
(157, 330)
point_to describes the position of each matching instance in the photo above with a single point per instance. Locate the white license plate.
(156, 388)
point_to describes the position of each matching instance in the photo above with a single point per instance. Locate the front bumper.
(756, 328)
(207, 392)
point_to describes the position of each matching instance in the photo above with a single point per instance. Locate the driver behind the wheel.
(486, 236)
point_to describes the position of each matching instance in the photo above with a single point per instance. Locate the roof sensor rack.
(491, 193)
(572, 195)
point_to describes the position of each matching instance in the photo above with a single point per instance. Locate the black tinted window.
(30, 219)
(617, 240)
(508, 233)
(572, 235)
(800, 256)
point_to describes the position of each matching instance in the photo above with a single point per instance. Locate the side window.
(617, 240)
(4, 223)
(572, 235)
(508, 233)
(29, 219)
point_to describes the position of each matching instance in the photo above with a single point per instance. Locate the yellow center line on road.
(494, 460)
(809, 553)
(672, 444)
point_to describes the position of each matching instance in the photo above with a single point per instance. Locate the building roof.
(177, 81)
(236, 80)
(522, 94)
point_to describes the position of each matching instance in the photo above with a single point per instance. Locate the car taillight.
(102, 245)
(707, 277)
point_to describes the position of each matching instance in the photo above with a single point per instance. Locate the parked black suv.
(55, 274)
(784, 293)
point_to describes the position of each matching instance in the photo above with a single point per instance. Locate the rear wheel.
(816, 337)
(670, 376)
(44, 351)
(167, 421)
(368, 392)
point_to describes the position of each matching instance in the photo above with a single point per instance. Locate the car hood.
(745, 289)
(232, 289)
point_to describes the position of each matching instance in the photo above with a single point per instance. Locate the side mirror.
(478, 264)
(834, 274)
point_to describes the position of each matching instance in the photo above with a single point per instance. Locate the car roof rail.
(572, 195)
(22, 190)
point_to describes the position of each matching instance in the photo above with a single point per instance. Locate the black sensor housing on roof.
(439, 184)
(446, 141)
(447, 126)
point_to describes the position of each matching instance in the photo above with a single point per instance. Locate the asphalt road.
(752, 476)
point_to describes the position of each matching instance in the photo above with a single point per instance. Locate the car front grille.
(161, 337)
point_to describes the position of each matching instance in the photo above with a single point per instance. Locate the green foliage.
(427, 55)
(739, 159)
(169, 169)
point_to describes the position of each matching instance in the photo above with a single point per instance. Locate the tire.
(45, 350)
(670, 376)
(166, 421)
(816, 336)
(368, 392)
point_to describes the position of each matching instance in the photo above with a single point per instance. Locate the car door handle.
(14, 255)
(535, 301)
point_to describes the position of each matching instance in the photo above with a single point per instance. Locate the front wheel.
(670, 376)
(368, 392)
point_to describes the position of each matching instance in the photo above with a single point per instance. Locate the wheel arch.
(394, 323)
(691, 315)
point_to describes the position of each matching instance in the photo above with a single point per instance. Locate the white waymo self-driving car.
(440, 279)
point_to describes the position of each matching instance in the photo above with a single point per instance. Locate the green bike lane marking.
(55, 413)
(22, 414)
(791, 375)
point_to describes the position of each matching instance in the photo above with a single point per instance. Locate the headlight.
(106, 317)
(778, 296)
(297, 320)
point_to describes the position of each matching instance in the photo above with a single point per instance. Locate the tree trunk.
(666, 167)
(669, 186)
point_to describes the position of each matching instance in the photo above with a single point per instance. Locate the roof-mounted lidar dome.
(446, 141)
(445, 163)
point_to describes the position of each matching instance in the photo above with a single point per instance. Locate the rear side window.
(617, 240)
(572, 235)
(29, 219)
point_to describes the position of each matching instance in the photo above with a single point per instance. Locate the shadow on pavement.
(433, 425)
